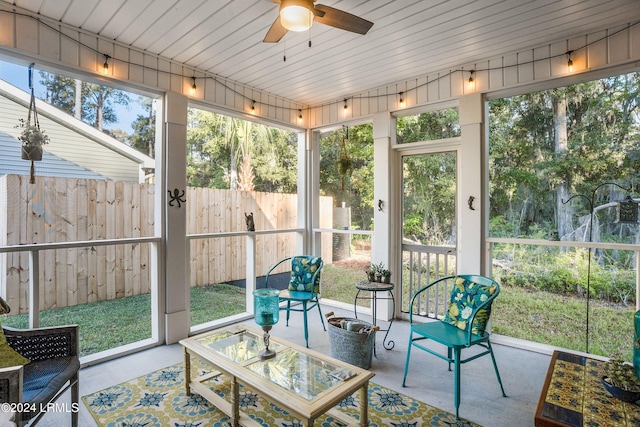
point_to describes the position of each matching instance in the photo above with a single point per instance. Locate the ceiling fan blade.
(275, 33)
(343, 20)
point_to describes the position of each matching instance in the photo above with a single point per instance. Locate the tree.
(358, 187)
(226, 152)
(99, 101)
(546, 146)
(144, 129)
(60, 92)
(90, 102)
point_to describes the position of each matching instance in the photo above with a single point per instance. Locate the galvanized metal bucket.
(351, 346)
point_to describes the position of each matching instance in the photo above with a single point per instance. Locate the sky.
(18, 76)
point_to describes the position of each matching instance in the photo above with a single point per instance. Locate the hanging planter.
(32, 140)
(31, 136)
(345, 164)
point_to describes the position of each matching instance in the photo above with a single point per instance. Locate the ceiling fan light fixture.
(296, 15)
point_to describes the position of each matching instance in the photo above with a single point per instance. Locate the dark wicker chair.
(53, 369)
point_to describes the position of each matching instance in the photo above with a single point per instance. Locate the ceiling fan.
(299, 15)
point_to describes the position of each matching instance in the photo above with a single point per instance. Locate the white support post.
(470, 184)
(177, 321)
(34, 289)
(381, 246)
(306, 212)
(250, 271)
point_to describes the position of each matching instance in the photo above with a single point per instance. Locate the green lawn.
(339, 284)
(537, 316)
(531, 315)
(560, 320)
(109, 324)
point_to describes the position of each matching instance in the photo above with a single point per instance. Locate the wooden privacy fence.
(65, 210)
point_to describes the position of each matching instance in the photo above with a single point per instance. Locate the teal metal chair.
(467, 313)
(304, 287)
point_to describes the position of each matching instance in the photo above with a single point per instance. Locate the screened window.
(439, 124)
(94, 182)
(560, 160)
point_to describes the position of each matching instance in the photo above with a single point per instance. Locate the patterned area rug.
(159, 399)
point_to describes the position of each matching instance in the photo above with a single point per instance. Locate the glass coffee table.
(304, 382)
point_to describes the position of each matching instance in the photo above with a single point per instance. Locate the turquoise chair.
(463, 326)
(304, 287)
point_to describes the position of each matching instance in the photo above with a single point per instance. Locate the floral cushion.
(302, 271)
(466, 296)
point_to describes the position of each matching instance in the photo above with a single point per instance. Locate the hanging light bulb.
(105, 66)
(296, 15)
(193, 86)
(346, 107)
(569, 61)
(401, 102)
(299, 116)
(253, 107)
(472, 82)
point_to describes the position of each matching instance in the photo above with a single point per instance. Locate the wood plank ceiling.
(410, 38)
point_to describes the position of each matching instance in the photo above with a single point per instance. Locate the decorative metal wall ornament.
(176, 196)
(627, 211)
(470, 203)
(591, 209)
(249, 220)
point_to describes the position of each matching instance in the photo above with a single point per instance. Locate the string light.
(472, 82)
(440, 76)
(401, 102)
(105, 66)
(346, 107)
(299, 116)
(193, 86)
(253, 106)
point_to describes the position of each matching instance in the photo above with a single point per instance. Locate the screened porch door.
(429, 183)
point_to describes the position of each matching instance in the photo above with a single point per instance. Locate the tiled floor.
(522, 374)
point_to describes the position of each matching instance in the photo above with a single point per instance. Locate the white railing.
(422, 264)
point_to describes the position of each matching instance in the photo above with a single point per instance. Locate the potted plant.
(375, 271)
(345, 164)
(386, 276)
(371, 275)
(32, 139)
(621, 381)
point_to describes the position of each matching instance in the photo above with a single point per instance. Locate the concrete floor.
(522, 373)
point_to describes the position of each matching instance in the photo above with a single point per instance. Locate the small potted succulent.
(371, 275)
(374, 274)
(386, 276)
(621, 381)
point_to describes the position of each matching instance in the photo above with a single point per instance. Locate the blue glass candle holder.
(266, 308)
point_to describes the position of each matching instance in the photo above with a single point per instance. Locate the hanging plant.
(345, 164)
(31, 136)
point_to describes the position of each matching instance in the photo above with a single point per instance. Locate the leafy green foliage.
(429, 183)
(97, 102)
(225, 152)
(439, 124)
(529, 165)
(358, 183)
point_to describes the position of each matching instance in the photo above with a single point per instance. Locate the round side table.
(374, 288)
